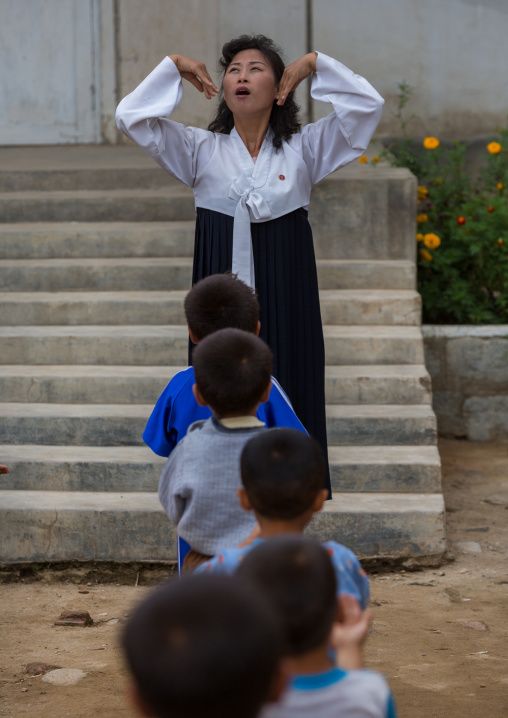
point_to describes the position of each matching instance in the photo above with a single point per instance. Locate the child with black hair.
(197, 486)
(220, 301)
(205, 647)
(282, 485)
(296, 575)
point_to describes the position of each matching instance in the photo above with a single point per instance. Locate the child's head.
(203, 646)
(297, 576)
(282, 474)
(233, 372)
(220, 301)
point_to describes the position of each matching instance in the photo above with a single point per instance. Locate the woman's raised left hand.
(294, 74)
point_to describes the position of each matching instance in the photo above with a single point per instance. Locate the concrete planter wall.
(469, 370)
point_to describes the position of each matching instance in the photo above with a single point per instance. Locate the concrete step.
(80, 468)
(96, 384)
(366, 274)
(168, 345)
(50, 240)
(60, 240)
(84, 384)
(73, 167)
(377, 384)
(123, 424)
(405, 469)
(357, 306)
(380, 424)
(88, 275)
(140, 205)
(106, 526)
(57, 180)
(157, 273)
(96, 308)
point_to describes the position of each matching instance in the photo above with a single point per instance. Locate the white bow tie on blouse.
(251, 207)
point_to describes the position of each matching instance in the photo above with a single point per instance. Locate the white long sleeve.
(142, 116)
(344, 135)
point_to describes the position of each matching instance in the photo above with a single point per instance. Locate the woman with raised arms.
(252, 173)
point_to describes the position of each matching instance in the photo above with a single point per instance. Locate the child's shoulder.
(180, 380)
(226, 561)
(340, 552)
(371, 690)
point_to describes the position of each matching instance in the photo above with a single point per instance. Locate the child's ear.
(197, 396)
(258, 328)
(319, 501)
(244, 499)
(266, 394)
(192, 336)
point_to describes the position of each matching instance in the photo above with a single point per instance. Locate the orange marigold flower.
(431, 241)
(491, 208)
(376, 159)
(500, 242)
(438, 180)
(494, 148)
(363, 160)
(500, 185)
(430, 143)
(425, 255)
(421, 218)
(461, 220)
(423, 192)
(419, 237)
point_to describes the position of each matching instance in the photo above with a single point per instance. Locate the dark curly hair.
(284, 119)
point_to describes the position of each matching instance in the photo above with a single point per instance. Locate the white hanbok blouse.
(219, 168)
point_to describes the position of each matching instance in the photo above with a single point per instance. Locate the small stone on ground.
(64, 676)
(468, 546)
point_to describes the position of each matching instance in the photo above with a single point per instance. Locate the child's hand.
(254, 534)
(349, 634)
(4, 469)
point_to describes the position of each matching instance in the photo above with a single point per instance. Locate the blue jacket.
(176, 409)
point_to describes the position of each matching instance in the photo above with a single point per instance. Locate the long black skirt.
(287, 290)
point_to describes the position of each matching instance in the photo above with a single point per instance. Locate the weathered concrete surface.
(125, 205)
(96, 239)
(380, 424)
(56, 525)
(469, 370)
(105, 274)
(123, 425)
(81, 367)
(354, 469)
(81, 468)
(365, 212)
(84, 384)
(394, 525)
(74, 307)
(117, 384)
(406, 469)
(168, 345)
(376, 384)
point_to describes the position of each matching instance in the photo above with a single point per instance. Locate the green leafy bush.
(462, 227)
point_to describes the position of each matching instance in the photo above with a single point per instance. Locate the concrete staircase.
(92, 279)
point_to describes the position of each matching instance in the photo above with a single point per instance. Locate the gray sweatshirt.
(197, 486)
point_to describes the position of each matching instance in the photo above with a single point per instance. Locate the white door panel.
(48, 71)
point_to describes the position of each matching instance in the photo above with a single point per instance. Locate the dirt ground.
(439, 634)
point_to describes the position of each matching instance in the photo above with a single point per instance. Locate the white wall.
(454, 52)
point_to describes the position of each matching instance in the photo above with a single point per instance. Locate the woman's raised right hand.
(196, 73)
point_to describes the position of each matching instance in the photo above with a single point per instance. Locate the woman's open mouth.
(242, 91)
